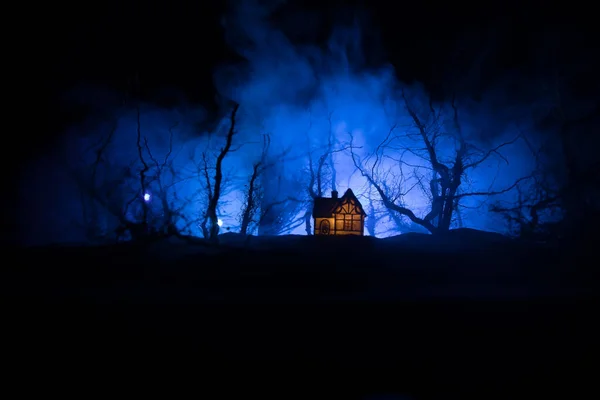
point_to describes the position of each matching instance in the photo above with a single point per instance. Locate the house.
(339, 215)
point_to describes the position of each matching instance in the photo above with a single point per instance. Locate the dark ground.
(473, 313)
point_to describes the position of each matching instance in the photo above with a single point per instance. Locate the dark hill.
(393, 313)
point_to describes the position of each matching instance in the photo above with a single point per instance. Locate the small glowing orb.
(146, 196)
(220, 222)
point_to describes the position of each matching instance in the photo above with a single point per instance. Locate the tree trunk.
(270, 207)
(214, 200)
(250, 208)
(307, 221)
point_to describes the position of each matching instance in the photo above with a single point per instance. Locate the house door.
(324, 228)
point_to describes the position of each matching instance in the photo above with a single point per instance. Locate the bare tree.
(128, 191)
(279, 212)
(315, 182)
(91, 200)
(279, 208)
(253, 193)
(116, 192)
(444, 175)
(322, 172)
(138, 216)
(143, 170)
(106, 193)
(214, 185)
(562, 198)
(537, 201)
(374, 214)
(523, 216)
(164, 178)
(574, 118)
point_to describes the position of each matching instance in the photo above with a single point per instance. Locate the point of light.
(146, 196)
(220, 222)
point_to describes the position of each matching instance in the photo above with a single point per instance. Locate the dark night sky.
(178, 43)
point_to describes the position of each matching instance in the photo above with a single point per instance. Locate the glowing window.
(347, 222)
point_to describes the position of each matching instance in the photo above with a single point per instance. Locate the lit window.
(347, 222)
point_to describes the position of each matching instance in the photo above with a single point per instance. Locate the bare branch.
(145, 166)
(493, 151)
(495, 192)
(386, 200)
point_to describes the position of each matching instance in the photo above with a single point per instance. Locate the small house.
(339, 215)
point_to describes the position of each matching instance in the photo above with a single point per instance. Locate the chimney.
(334, 194)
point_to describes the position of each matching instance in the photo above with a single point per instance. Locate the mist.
(298, 104)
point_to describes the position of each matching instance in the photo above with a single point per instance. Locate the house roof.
(325, 206)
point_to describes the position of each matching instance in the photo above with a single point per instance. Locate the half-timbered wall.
(348, 219)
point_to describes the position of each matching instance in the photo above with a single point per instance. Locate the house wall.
(317, 228)
(345, 233)
(337, 225)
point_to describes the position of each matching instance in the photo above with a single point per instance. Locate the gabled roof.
(349, 195)
(324, 207)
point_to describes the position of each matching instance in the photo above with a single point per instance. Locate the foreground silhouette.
(408, 309)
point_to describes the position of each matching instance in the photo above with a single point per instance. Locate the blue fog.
(303, 99)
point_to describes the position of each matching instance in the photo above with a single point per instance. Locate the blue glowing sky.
(344, 75)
